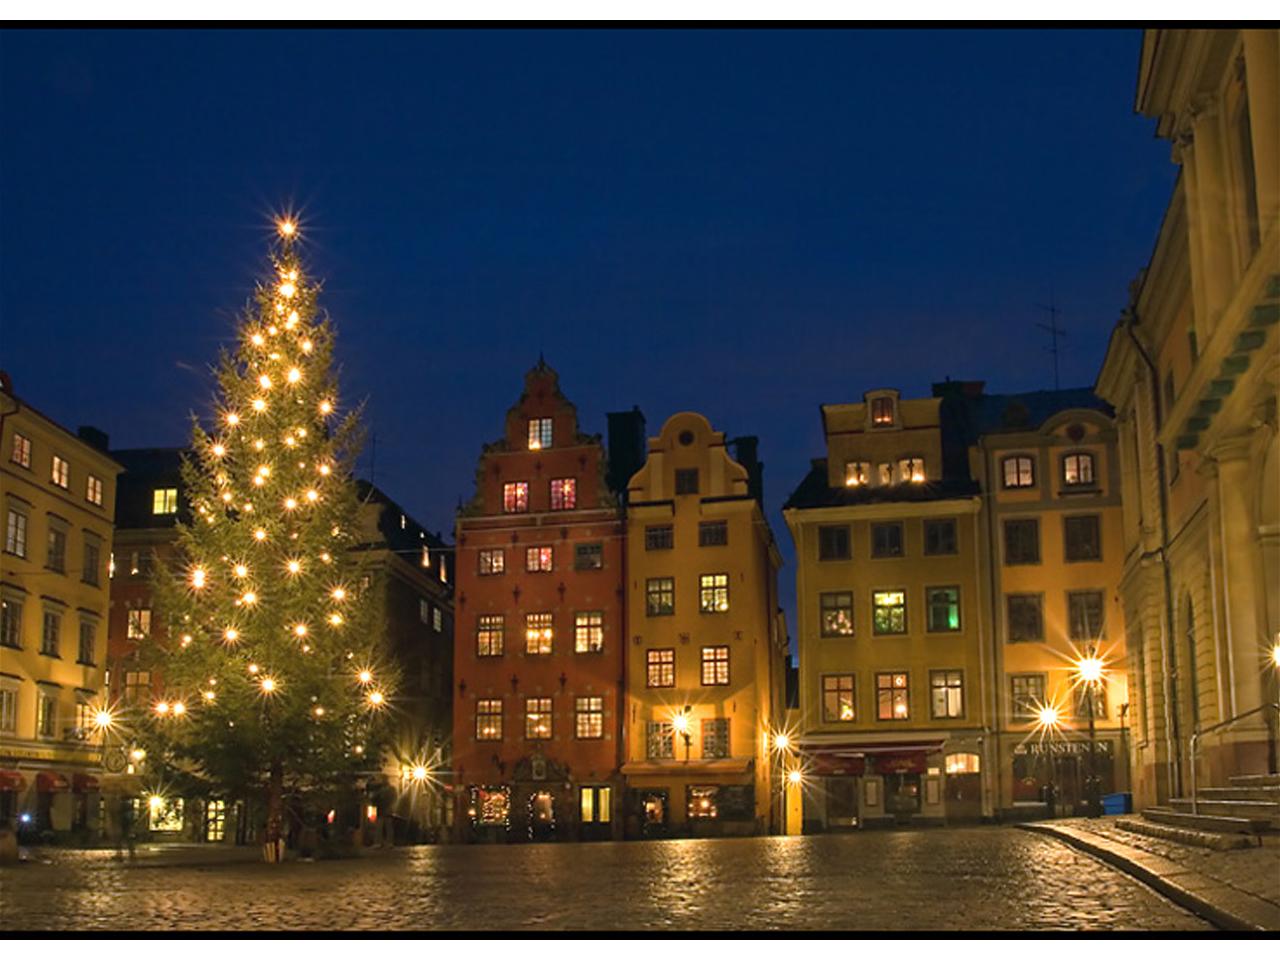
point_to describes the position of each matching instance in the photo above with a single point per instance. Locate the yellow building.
(894, 664)
(1193, 370)
(705, 662)
(57, 492)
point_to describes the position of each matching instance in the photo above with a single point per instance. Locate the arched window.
(1077, 470)
(1018, 471)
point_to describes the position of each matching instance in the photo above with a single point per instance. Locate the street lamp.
(681, 723)
(1088, 673)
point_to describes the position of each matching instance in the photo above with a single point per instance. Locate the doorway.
(542, 816)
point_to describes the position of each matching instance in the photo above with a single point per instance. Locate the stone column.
(1212, 204)
(1262, 77)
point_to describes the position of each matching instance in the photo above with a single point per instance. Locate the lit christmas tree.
(271, 657)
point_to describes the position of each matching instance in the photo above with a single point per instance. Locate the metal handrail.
(1195, 738)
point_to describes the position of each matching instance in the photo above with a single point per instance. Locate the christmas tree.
(270, 658)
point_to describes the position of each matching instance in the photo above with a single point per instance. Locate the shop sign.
(1063, 748)
(900, 763)
(51, 754)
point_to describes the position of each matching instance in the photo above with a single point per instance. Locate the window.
(540, 433)
(56, 557)
(659, 538)
(886, 540)
(564, 494)
(215, 821)
(539, 559)
(661, 740)
(515, 497)
(11, 623)
(538, 633)
(1077, 470)
(493, 562)
(424, 610)
(836, 614)
(882, 412)
(588, 632)
(46, 713)
(959, 763)
(21, 453)
(137, 686)
(88, 643)
(944, 609)
(93, 490)
(833, 543)
(713, 533)
(940, 537)
(1080, 696)
(139, 623)
(660, 668)
(715, 666)
(889, 611)
(1018, 472)
(491, 806)
(595, 804)
(61, 472)
(164, 500)
(946, 694)
(1026, 694)
(489, 631)
(892, 699)
(15, 534)
(588, 718)
(92, 573)
(837, 699)
(1026, 616)
(884, 472)
(489, 719)
(911, 470)
(1082, 537)
(51, 633)
(588, 556)
(437, 619)
(713, 592)
(8, 709)
(857, 473)
(84, 716)
(687, 481)
(1021, 541)
(537, 718)
(715, 738)
(660, 596)
(1084, 614)
(702, 803)
(1242, 131)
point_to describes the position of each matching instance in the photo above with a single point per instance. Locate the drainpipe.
(997, 661)
(1173, 734)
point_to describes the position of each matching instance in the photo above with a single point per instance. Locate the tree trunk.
(273, 848)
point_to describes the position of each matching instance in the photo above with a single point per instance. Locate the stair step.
(1248, 809)
(1255, 780)
(1241, 793)
(1206, 822)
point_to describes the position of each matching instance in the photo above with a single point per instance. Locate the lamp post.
(681, 722)
(1089, 670)
(782, 750)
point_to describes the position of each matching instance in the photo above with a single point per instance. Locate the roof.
(1020, 412)
(814, 491)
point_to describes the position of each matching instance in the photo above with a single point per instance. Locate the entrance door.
(842, 802)
(542, 816)
(654, 814)
(902, 795)
(964, 787)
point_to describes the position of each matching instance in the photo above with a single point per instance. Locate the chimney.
(94, 438)
(626, 449)
(746, 450)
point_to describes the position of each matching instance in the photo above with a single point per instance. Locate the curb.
(1197, 904)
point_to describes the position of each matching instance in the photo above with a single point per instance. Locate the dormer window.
(911, 470)
(857, 473)
(1018, 471)
(885, 474)
(540, 433)
(1077, 470)
(882, 412)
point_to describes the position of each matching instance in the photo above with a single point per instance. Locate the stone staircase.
(1251, 804)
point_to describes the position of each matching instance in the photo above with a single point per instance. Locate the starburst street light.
(1089, 674)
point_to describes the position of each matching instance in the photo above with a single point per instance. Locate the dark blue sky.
(747, 224)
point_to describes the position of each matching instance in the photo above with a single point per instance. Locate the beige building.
(706, 650)
(57, 493)
(1193, 370)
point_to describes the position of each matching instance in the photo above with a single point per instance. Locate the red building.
(538, 659)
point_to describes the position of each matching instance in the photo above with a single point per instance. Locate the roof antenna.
(1054, 332)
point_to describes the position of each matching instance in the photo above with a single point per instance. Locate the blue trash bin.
(1117, 803)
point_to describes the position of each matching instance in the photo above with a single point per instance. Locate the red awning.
(83, 783)
(836, 765)
(11, 780)
(51, 782)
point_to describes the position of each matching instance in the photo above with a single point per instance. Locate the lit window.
(61, 472)
(713, 533)
(215, 821)
(661, 740)
(540, 433)
(164, 500)
(137, 686)
(660, 668)
(588, 718)
(491, 806)
(139, 623)
(93, 490)
(8, 707)
(892, 700)
(946, 694)
(46, 713)
(1026, 694)
(437, 619)
(515, 497)
(837, 699)
(944, 609)
(1077, 469)
(424, 610)
(882, 412)
(537, 718)
(538, 633)
(564, 494)
(21, 453)
(15, 533)
(884, 473)
(959, 763)
(1084, 694)
(715, 666)
(715, 738)
(702, 802)
(595, 804)
(489, 719)
(492, 562)
(911, 470)
(713, 593)
(588, 632)
(659, 538)
(489, 634)
(1018, 472)
(837, 614)
(660, 596)
(538, 559)
(889, 612)
(857, 473)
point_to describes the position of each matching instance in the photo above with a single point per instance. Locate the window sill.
(51, 656)
(85, 663)
(1068, 490)
(835, 636)
(12, 646)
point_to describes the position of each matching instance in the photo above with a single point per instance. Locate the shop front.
(707, 798)
(859, 784)
(542, 802)
(1051, 777)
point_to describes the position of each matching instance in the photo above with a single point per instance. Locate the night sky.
(747, 224)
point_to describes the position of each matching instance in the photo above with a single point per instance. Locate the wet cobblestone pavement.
(987, 878)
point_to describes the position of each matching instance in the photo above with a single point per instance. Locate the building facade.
(539, 650)
(1193, 371)
(705, 666)
(58, 495)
